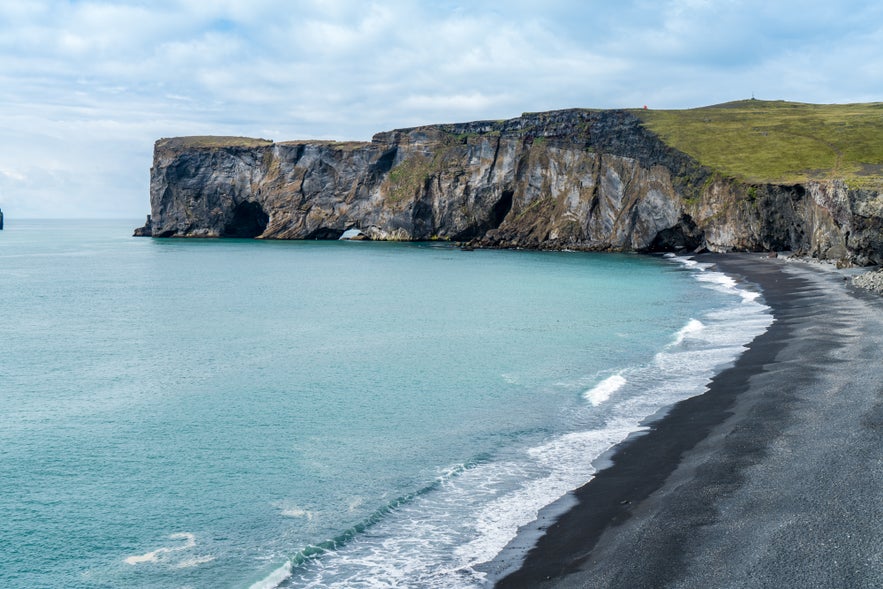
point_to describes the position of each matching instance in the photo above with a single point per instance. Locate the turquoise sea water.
(186, 413)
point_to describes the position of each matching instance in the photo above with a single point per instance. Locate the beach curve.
(773, 478)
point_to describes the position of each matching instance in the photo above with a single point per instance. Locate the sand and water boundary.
(772, 478)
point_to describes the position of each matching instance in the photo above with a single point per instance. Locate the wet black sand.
(773, 478)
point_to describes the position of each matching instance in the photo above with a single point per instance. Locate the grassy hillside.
(779, 142)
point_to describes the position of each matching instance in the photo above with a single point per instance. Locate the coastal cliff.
(571, 179)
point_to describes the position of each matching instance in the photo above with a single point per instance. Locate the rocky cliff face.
(576, 179)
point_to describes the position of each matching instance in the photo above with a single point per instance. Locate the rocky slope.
(575, 179)
(872, 281)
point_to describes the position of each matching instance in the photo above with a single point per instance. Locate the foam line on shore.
(738, 470)
(502, 496)
(601, 392)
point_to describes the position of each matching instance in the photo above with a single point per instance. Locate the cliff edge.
(571, 179)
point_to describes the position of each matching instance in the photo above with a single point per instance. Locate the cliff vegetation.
(778, 142)
(743, 176)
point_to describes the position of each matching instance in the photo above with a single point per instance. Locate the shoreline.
(772, 477)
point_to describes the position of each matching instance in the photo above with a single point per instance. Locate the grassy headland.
(211, 141)
(760, 141)
(755, 141)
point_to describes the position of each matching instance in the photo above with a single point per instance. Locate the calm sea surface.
(186, 413)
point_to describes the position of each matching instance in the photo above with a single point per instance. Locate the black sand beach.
(773, 478)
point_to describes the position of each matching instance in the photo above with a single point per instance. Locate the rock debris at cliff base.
(872, 281)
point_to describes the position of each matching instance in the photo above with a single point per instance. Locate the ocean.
(250, 414)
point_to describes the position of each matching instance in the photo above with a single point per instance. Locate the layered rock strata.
(573, 179)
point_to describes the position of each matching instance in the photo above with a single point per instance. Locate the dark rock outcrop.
(573, 179)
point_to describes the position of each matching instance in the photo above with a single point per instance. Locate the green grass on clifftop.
(333, 144)
(761, 141)
(208, 141)
(221, 141)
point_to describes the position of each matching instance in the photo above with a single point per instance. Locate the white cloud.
(86, 87)
(454, 102)
(13, 175)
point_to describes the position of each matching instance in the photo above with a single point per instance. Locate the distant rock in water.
(572, 179)
(1, 219)
(146, 230)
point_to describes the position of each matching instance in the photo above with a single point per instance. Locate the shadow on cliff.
(249, 220)
(496, 215)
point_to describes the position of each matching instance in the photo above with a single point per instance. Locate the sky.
(87, 87)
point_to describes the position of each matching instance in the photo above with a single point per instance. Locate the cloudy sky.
(86, 87)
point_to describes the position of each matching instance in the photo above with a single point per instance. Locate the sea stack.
(1, 219)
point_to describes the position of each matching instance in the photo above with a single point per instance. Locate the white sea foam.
(440, 538)
(295, 512)
(195, 561)
(689, 262)
(690, 330)
(154, 555)
(275, 578)
(149, 557)
(498, 521)
(601, 392)
(510, 378)
(717, 280)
